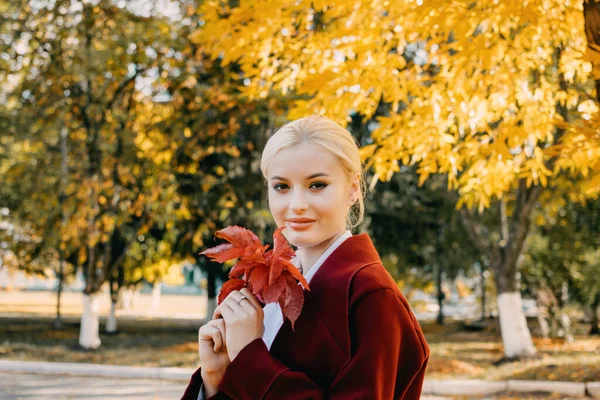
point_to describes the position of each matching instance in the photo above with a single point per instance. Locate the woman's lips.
(300, 225)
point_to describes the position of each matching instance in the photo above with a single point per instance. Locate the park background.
(132, 131)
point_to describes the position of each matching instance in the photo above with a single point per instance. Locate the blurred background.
(131, 131)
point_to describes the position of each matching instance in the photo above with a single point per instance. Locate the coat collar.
(330, 286)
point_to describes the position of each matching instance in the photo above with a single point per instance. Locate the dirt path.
(44, 303)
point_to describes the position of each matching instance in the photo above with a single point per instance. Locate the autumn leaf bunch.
(268, 274)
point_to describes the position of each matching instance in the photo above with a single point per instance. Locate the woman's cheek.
(277, 208)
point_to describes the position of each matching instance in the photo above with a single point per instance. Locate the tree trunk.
(111, 321)
(591, 16)
(211, 305)
(565, 323)
(543, 323)
(89, 336)
(483, 291)
(595, 323)
(553, 318)
(211, 289)
(513, 325)
(440, 296)
(58, 320)
(504, 255)
(61, 201)
(563, 319)
(514, 230)
(595, 320)
(541, 315)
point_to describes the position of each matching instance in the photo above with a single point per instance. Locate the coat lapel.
(322, 331)
(330, 286)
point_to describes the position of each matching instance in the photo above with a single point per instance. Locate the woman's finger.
(248, 307)
(206, 333)
(251, 298)
(232, 299)
(227, 313)
(238, 307)
(219, 324)
(217, 313)
(216, 335)
(219, 310)
(227, 303)
(218, 340)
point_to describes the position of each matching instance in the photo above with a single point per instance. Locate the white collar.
(308, 275)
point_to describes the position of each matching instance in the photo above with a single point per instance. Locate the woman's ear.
(354, 189)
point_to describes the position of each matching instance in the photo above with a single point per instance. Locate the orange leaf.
(230, 286)
(272, 292)
(268, 274)
(223, 252)
(239, 237)
(293, 302)
(258, 278)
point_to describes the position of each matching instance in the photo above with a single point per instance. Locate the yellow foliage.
(506, 75)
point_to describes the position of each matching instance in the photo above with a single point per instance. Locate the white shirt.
(273, 317)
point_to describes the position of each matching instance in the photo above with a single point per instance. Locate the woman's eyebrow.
(318, 174)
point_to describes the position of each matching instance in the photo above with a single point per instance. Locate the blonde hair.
(332, 137)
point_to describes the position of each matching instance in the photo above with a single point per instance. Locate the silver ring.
(242, 299)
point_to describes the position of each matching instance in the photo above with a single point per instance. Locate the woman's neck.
(308, 256)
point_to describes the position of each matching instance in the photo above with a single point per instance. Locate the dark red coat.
(355, 339)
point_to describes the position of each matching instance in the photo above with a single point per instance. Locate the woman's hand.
(213, 354)
(243, 317)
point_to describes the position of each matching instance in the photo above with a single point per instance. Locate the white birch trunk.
(588, 314)
(89, 332)
(565, 323)
(515, 333)
(544, 328)
(156, 297)
(111, 321)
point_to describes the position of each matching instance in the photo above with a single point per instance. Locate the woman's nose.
(298, 201)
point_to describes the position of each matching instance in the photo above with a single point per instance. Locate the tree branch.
(476, 233)
(118, 91)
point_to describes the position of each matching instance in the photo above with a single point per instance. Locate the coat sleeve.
(388, 360)
(195, 389)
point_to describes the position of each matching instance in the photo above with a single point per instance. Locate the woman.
(356, 337)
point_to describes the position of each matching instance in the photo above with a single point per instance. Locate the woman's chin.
(298, 239)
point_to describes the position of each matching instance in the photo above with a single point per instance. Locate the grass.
(456, 353)
(462, 354)
(171, 341)
(138, 343)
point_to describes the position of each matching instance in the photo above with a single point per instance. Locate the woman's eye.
(316, 185)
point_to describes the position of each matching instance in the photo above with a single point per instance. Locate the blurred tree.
(84, 67)
(483, 93)
(418, 234)
(561, 262)
(547, 269)
(218, 134)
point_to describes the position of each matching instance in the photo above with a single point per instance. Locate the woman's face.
(309, 193)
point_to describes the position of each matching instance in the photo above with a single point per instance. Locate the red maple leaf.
(269, 274)
(230, 286)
